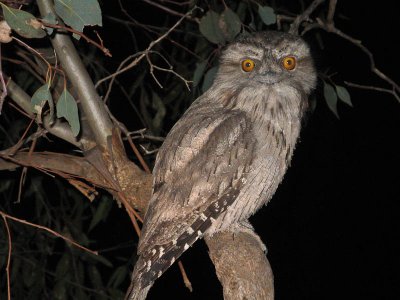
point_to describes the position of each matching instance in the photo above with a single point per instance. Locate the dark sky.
(326, 225)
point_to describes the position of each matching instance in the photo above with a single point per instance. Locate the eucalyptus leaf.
(101, 212)
(331, 98)
(267, 14)
(94, 276)
(198, 73)
(29, 275)
(209, 78)
(39, 99)
(22, 22)
(230, 24)
(63, 266)
(118, 276)
(101, 259)
(158, 120)
(67, 108)
(78, 13)
(344, 95)
(116, 294)
(60, 290)
(50, 18)
(210, 29)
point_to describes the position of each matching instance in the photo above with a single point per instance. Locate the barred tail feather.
(154, 261)
(136, 292)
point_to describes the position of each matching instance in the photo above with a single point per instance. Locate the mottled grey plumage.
(227, 155)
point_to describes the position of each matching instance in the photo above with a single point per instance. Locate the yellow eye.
(289, 63)
(248, 65)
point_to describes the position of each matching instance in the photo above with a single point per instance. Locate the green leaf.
(78, 13)
(209, 78)
(60, 290)
(29, 274)
(343, 95)
(63, 266)
(230, 24)
(101, 212)
(115, 293)
(118, 276)
(267, 14)
(198, 73)
(23, 22)
(210, 29)
(331, 98)
(39, 99)
(95, 276)
(51, 19)
(98, 258)
(158, 120)
(67, 108)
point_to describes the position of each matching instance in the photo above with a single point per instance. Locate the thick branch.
(55, 162)
(92, 106)
(133, 183)
(241, 266)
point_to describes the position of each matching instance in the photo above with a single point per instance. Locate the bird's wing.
(198, 173)
(205, 156)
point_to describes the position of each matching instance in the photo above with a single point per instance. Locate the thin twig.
(147, 50)
(81, 34)
(331, 11)
(373, 88)
(8, 258)
(49, 71)
(374, 69)
(329, 26)
(170, 11)
(4, 215)
(186, 280)
(294, 28)
(125, 131)
(3, 84)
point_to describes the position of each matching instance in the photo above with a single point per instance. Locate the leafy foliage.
(331, 98)
(39, 99)
(267, 14)
(22, 22)
(78, 14)
(67, 108)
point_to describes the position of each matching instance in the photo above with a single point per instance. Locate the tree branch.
(241, 265)
(294, 28)
(92, 106)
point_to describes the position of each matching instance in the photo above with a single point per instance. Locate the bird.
(227, 154)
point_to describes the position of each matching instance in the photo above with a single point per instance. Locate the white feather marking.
(172, 260)
(154, 251)
(203, 217)
(148, 265)
(159, 273)
(186, 247)
(190, 230)
(199, 233)
(161, 252)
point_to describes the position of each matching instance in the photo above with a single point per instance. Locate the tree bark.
(241, 266)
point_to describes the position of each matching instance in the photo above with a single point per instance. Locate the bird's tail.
(136, 291)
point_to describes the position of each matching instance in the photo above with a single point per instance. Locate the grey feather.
(227, 155)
